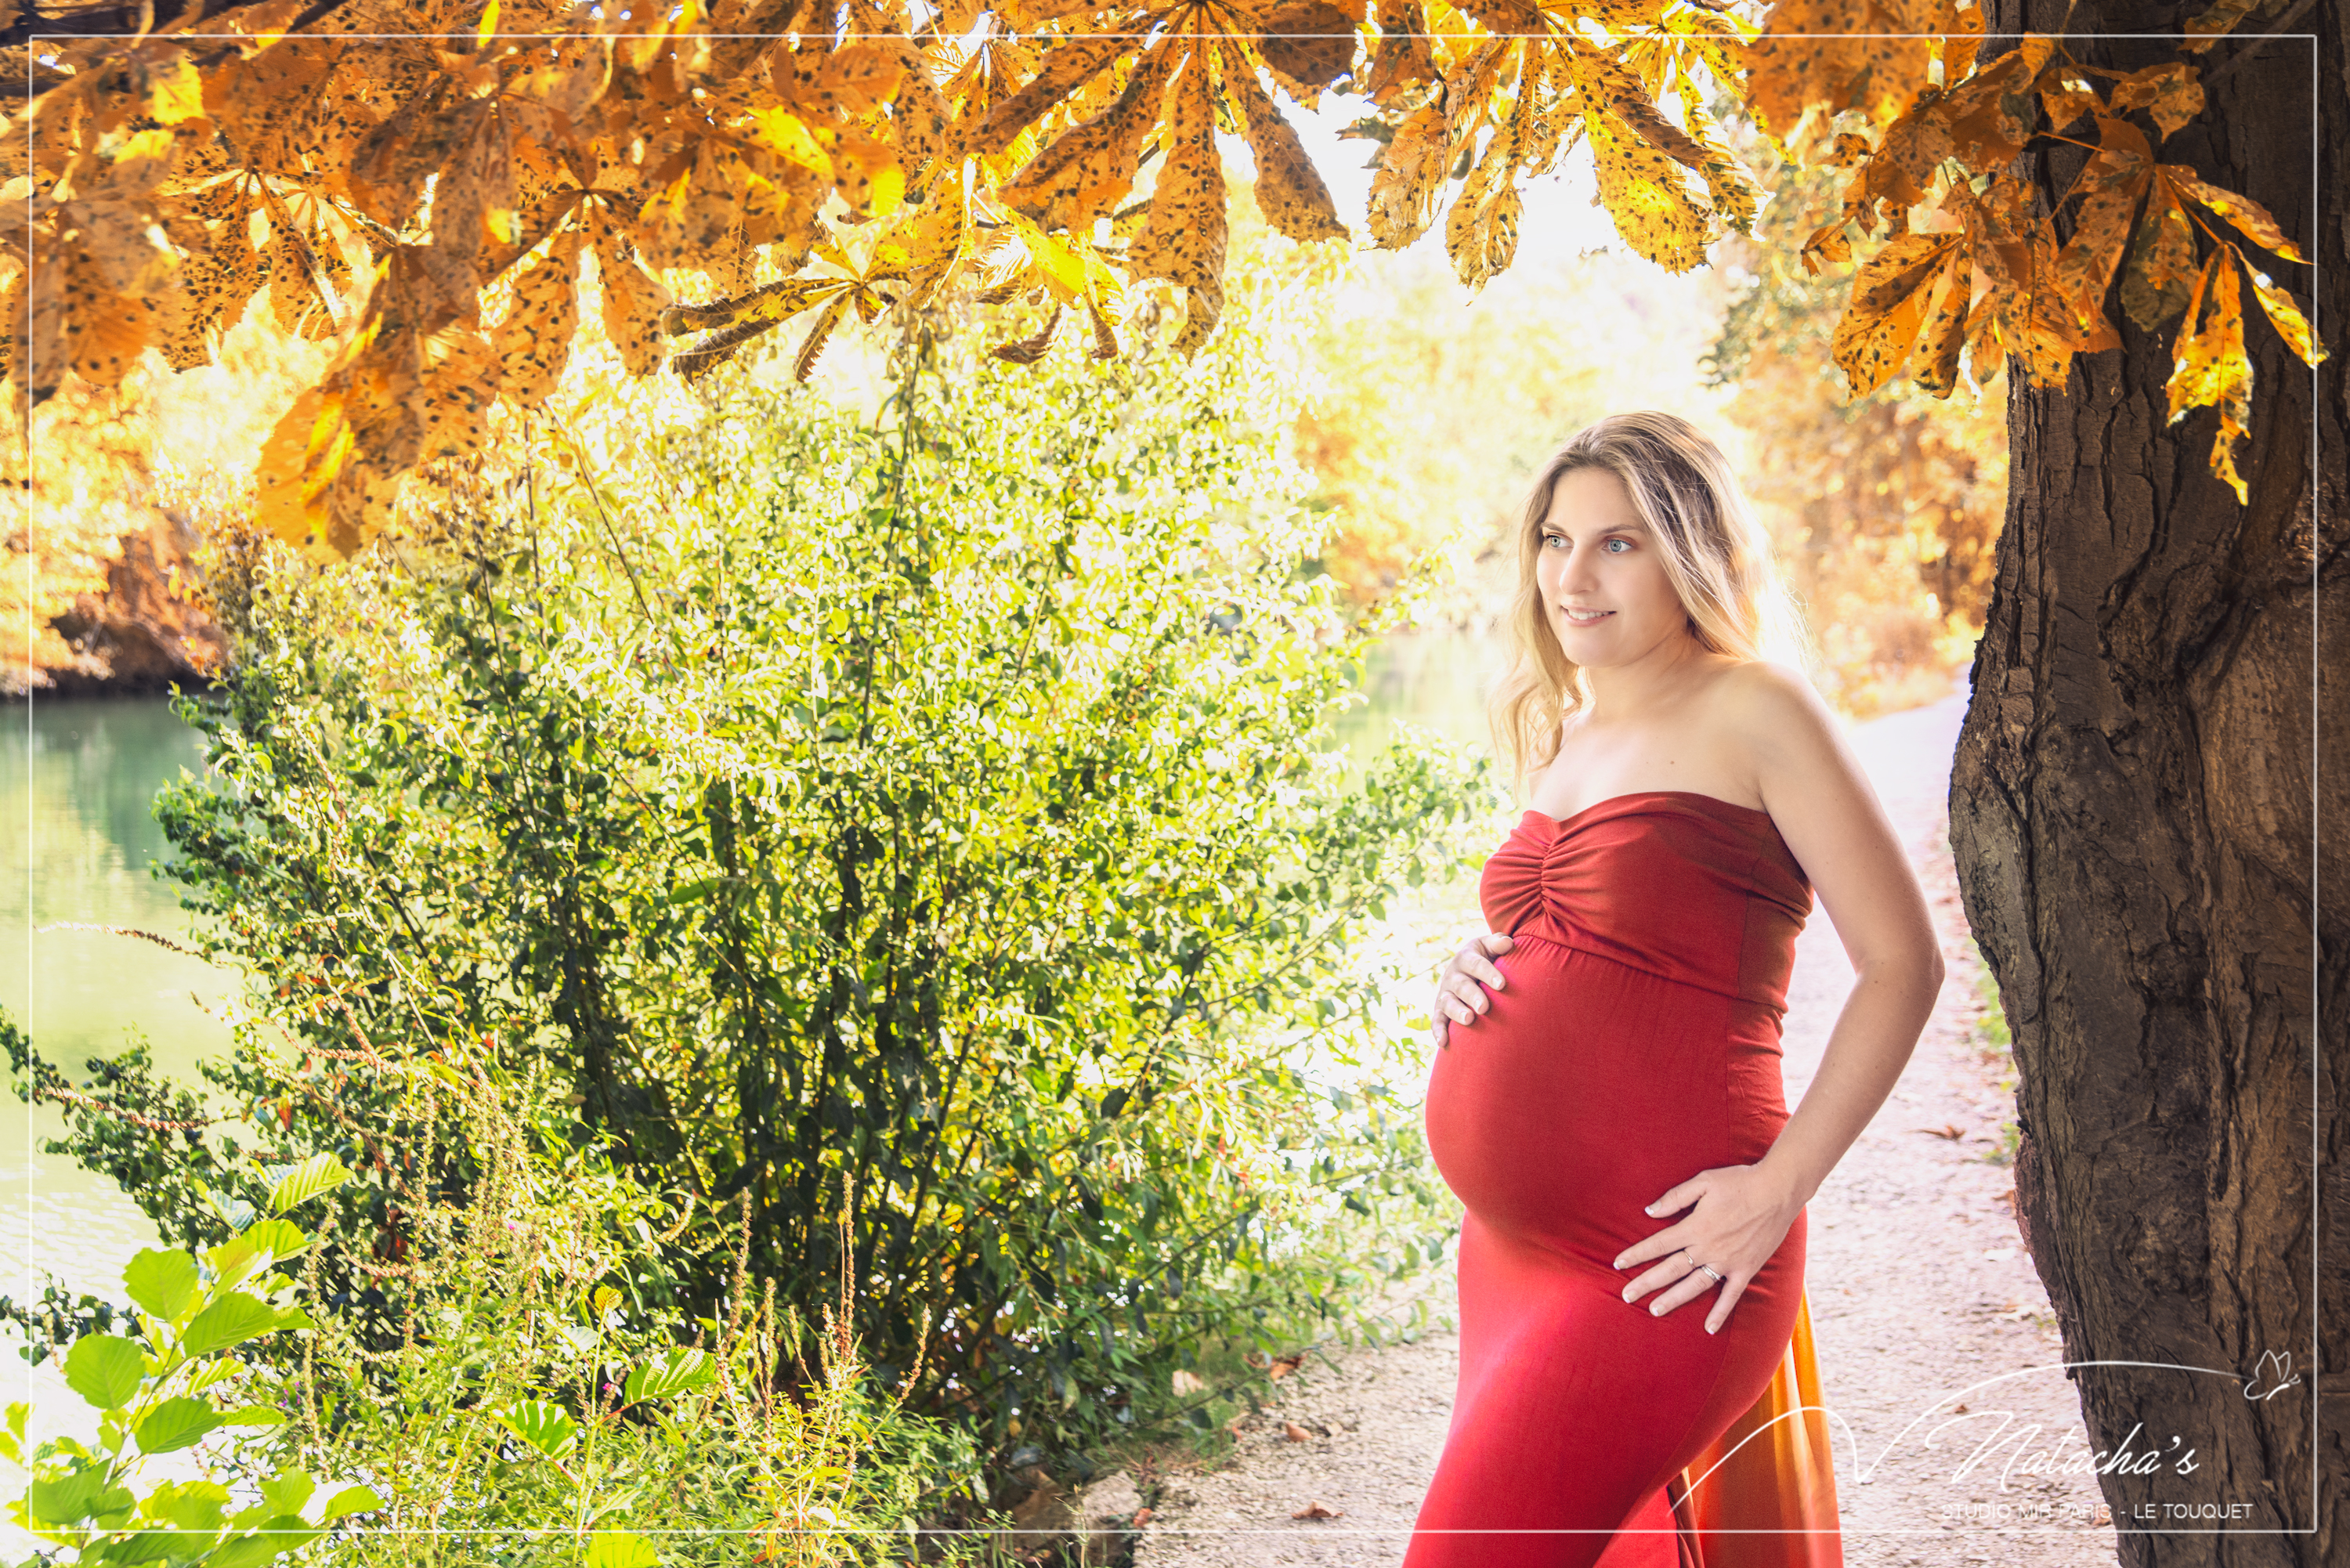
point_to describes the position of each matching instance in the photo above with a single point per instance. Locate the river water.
(78, 843)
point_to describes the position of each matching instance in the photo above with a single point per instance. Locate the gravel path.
(1920, 1295)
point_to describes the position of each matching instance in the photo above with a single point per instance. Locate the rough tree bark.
(2142, 849)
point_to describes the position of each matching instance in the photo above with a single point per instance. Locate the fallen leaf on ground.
(1946, 1130)
(1143, 1516)
(1295, 1433)
(1281, 1366)
(1318, 1510)
(1960, 1409)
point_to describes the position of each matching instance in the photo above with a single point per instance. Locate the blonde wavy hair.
(1715, 553)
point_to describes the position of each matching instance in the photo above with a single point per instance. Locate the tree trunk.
(2142, 848)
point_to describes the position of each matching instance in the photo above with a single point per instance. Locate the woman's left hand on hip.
(1741, 1216)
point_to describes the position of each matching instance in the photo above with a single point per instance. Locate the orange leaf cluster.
(1963, 267)
(396, 163)
(1593, 72)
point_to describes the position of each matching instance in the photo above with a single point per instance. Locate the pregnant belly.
(1588, 1089)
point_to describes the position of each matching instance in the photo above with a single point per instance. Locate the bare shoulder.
(1773, 711)
(1785, 736)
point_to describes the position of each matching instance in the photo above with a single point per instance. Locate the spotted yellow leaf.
(2112, 186)
(2206, 29)
(1822, 57)
(1183, 239)
(104, 331)
(1410, 175)
(1289, 189)
(633, 298)
(1644, 191)
(1090, 167)
(1944, 333)
(2210, 368)
(1889, 295)
(2284, 315)
(534, 341)
(1307, 45)
(2160, 273)
(1064, 68)
(2171, 94)
(2252, 220)
(1402, 64)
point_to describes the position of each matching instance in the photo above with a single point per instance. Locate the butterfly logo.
(2272, 1376)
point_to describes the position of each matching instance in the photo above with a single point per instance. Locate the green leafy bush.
(160, 1383)
(917, 831)
(522, 1413)
(530, 1414)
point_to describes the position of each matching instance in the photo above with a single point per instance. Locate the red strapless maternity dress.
(1635, 1043)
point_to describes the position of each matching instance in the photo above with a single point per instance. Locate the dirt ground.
(1959, 1438)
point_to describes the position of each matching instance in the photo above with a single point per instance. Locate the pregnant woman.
(1606, 1103)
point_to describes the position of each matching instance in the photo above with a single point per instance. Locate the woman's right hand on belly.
(1460, 989)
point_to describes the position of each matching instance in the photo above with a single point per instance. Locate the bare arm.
(1816, 794)
(1814, 791)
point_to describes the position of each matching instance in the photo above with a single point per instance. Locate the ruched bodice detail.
(1684, 886)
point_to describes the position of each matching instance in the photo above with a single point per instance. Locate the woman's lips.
(1583, 617)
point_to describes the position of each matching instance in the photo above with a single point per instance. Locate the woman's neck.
(1656, 679)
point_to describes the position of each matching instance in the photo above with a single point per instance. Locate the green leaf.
(319, 1173)
(236, 1260)
(188, 1505)
(676, 1372)
(105, 1369)
(210, 1372)
(175, 1424)
(253, 1415)
(288, 1490)
(276, 1537)
(351, 1500)
(256, 1248)
(163, 1282)
(284, 1238)
(621, 1549)
(146, 1546)
(231, 1319)
(67, 1498)
(547, 1428)
(236, 1212)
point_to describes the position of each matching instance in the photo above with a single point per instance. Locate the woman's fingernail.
(1651, 1208)
(1657, 1310)
(1709, 1328)
(1616, 1265)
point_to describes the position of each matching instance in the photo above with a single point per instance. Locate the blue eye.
(1613, 543)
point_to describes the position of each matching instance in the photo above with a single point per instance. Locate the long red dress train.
(1635, 1045)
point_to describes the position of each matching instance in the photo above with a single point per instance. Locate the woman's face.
(1602, 579)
